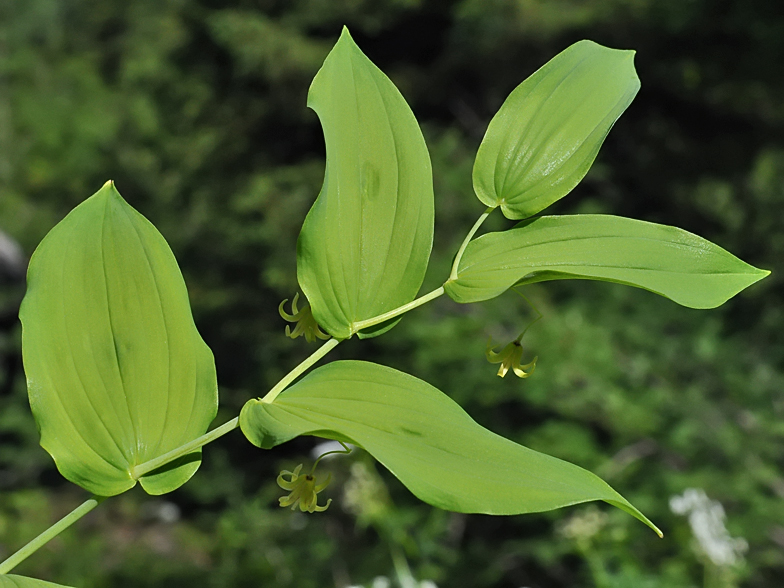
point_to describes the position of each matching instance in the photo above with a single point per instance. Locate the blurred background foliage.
(196, 108)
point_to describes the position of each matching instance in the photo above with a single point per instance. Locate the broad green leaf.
(666, 260)
(425, 439)
(364, 246)
(12, 581)
(546, 135)
(116, 372)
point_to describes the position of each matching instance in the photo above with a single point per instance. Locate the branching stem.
(300, 369)
(469, 236)
(359, 325)
(160, 461)
(148, 466)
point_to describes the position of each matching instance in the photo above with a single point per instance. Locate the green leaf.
(666, 260)
(425, 439)
(546, 135)
(365, 244)
(117, 373)
(12, 581)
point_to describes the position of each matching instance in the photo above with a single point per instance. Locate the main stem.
(148, 466)
(52, 532)
(300, 369)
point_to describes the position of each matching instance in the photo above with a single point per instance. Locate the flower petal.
(520, 372)
(323, 508)
(292, 318)
(490, 354)
(286, 500)
(320, 487)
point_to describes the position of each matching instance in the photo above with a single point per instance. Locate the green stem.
(469, 236)
(52, 532)
(531, 324)
(359, 325)
(297, 371)
(345, 451)
(148, 466)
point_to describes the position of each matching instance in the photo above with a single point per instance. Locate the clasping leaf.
(364, 246)
(666, 260)
(425, 439)
(117, 374)
(547, 133)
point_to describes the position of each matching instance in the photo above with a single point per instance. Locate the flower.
(303, 491)
(510, 357)
(306, 324)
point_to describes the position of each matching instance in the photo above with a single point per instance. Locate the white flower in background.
(706, 518)
(583, 525)
(364, 494)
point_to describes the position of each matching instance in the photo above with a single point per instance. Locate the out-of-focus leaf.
(547, 133)
(425, 439)
(12, 581)
(364, 246)
(666, 260)
(117, 373)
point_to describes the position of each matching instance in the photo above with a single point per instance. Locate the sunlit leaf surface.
(425, 439)
(117, 373)
(365, 244)
(666, 260)
(547, 133)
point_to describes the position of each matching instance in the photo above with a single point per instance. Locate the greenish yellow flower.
(510, 357)
(306, 324)
(303, 490)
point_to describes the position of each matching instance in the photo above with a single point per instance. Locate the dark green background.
(196, 109)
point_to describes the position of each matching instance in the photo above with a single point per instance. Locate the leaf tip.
(345, 37)
(649, 523)
(109, 190)
(629, 508)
